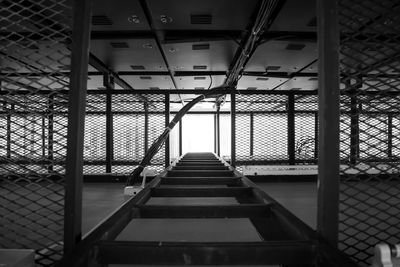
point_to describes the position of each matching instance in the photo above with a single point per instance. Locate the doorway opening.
(198, 133)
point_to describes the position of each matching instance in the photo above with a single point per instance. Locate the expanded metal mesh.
(370, 183)
(33, 58)
(133, 120)
(262, 128)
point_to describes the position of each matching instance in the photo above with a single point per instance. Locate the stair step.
(205, 211)
(201, 192)
(200, 180)
(195, 168)
(199, 173)
(294, 253)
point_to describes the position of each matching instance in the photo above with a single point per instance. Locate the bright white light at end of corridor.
(198, 133)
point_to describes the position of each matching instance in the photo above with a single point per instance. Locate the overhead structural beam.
(100, 66)
(267, 12)
(157, 37)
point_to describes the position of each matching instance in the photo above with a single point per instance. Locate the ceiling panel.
(225, 14)
(132, 53)
(122, 14)
(296, 16)
(251, 83)
(274, 53)
(199, 82)
(300, 83)
(149, 82)
(95, 82)
(182, 57)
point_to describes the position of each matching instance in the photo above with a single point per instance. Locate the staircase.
(281, 238)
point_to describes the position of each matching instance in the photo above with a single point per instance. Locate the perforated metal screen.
(370, 183)
(33, 125)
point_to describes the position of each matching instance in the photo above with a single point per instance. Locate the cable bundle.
(158, 143)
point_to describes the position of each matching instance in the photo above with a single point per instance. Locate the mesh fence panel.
(305, 136)
(33, 59)
(370, 183)
(156, 128)
(131, 116)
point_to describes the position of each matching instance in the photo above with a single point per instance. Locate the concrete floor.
(101, 199)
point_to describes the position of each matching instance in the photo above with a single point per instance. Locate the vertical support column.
(291, 130)
(316, 135)
(43, 137)
(218, 130)
(76, 123)
(109, 84)
(167, 111)
(354, 130)
(328, 160)
(180, 137)
(233, 129)
(146, 126)
(390, 135)
(251, 133)
(9, 132)
(50, 133)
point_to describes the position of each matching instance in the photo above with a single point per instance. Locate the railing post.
(217, 131)
(328, 98)
(76, 123)
(180, 137)
(233, 129)
(251, 133)
(146, 126)
(390, 136)
(354, 129)
(167, 111)
(109, 84)
(291, 129)
(12, 107)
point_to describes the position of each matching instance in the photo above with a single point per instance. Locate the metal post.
(354, 130)
(251, 134)
(50, 133)
(233, 129)
(109, 84)
(218, 130)
(167, 156)
(328, 150)
(291, 130)
(76, 123)
(146, 126)
(180, 137)
(390, 136)
(43, 137)
(316, 135)
(9, 132)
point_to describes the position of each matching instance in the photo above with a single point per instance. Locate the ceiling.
(190, 44)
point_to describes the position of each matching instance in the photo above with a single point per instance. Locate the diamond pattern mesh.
(33, 61)
(129, 129)
(370, 184)
(262, 128)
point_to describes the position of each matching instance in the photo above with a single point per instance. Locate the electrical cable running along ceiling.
(192, 44)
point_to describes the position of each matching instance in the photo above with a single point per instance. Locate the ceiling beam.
(100, 66)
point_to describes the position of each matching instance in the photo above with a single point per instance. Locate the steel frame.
(294, 238)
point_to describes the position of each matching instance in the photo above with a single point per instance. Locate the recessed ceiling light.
(134, 19)
(165, 19)
(147, 45)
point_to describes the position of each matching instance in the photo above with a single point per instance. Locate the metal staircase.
(284, 239)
